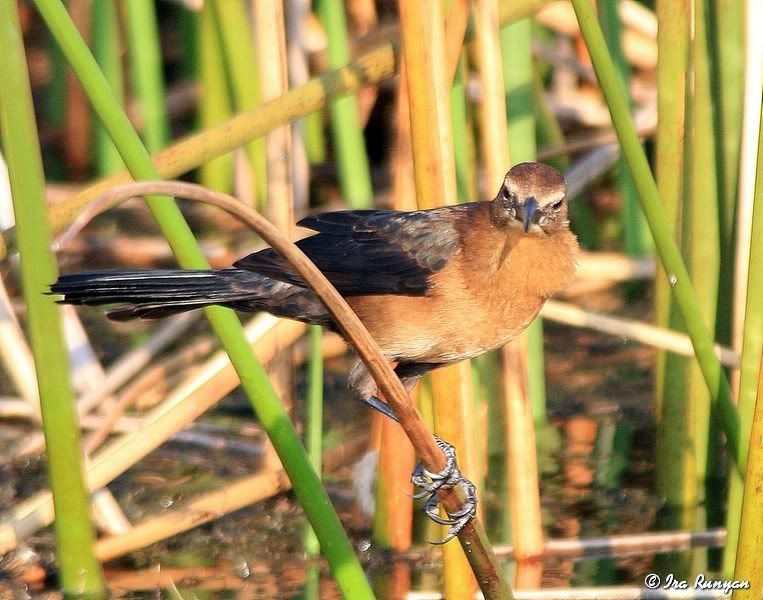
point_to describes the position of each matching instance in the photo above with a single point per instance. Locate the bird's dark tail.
(151, 294)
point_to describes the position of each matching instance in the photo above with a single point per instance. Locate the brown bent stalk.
(472, 537)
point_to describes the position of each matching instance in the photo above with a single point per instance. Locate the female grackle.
(433, 287)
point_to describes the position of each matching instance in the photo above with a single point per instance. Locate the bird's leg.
(364, 387)
(427, 482)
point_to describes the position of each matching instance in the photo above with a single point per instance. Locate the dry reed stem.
(598, 593)
(214, 505)
(271, 50)
(616, 546)
(107, 513)
(198, 511)
(643, 333)
(16, 355)
(77, 121)
(753, 88)
(178, 410)
(148, 380)
(124, 369)
(613, 266)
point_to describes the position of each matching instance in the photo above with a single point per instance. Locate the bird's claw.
(430, 483)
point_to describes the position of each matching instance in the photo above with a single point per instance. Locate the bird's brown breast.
(490, 291)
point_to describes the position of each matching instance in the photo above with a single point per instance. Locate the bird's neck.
(511, 260)
(543, 265)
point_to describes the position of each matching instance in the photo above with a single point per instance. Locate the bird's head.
(533, 197)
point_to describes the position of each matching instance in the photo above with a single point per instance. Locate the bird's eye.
(557, 205)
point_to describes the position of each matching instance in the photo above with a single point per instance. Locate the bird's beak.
(529, 209)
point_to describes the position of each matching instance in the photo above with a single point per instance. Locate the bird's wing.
(371, 251)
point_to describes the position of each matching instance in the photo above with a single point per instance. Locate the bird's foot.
(430, 483)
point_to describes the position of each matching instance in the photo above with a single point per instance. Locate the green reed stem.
(145, 61)
(463, 139)
(634, 234)
(314, 446)
(214, 101)
(349, 145)
(315, 137)
(683, 171)
(725, 37)
(79, 570)
(749, 567)
(243, 71)
(314, 420)
(749, 376)
(307, 484)
(667, 249)
(106, 51)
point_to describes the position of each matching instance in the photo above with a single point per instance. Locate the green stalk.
(315, 137)
(749, 375)
(55, 106)
(349, 146)
(463, 142)
(307, 485)
(516, 47)
(726, 47)
(146, 71)
(687, 400)
(673, 55)
(314, 445)
(670, 407)
(634, 233)
(79, 570)
(241, 63)
(105, 30)
(215, 102)
(667, 249)
(749, 566)
(55, 96)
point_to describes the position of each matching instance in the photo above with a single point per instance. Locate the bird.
(433, 287)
